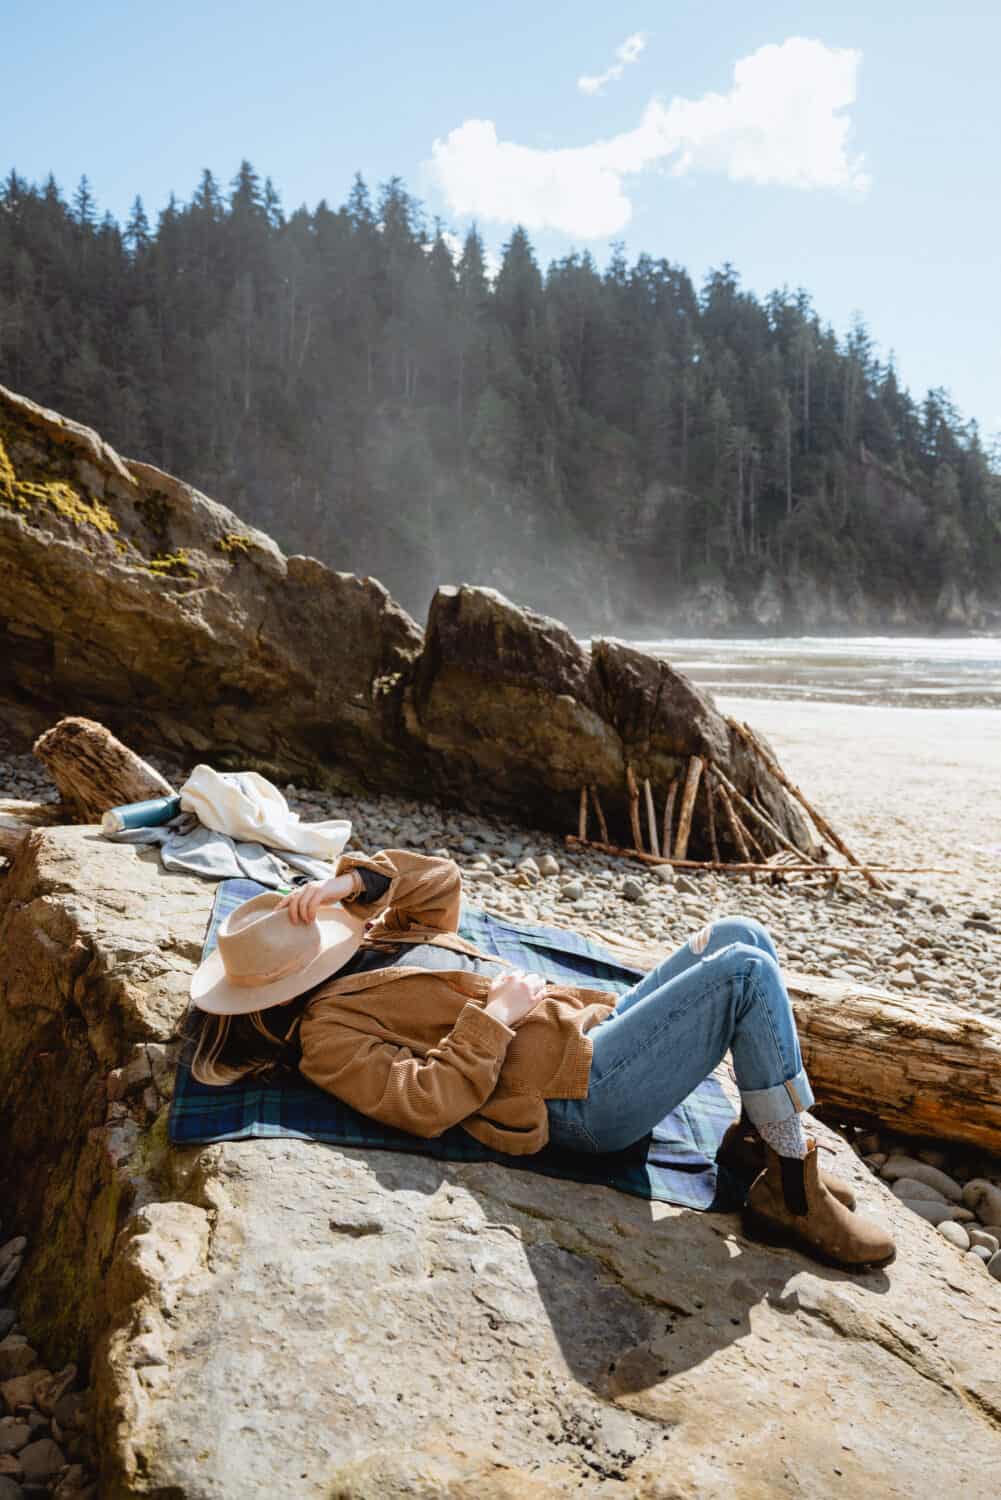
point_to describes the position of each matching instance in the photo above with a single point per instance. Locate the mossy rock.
(172, 564)
(59, 496)
(232, 543)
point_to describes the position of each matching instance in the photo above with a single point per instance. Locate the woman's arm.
(424, 890)
(405, 889)
(424, 1095)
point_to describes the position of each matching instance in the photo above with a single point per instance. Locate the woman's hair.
(228, 1048)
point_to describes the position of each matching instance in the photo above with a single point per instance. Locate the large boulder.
(516, 713)
(285, 1318)
(128, 597)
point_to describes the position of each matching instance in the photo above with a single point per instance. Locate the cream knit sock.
(787, 1137)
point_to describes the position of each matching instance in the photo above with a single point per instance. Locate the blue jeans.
(671, 1030)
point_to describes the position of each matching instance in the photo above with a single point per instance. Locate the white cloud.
(626, 52)
(780, 124)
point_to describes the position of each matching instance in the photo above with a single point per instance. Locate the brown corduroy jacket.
(415, 1048)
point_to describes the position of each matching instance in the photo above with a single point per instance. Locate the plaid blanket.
(674, 1164)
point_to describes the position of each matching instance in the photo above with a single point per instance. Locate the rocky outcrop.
(281, 1317)
(128, 597)
(516, 713)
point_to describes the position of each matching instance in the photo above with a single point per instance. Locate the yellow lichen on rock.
(235, 541)
(57, 494)
(8, 478)
(172, 564)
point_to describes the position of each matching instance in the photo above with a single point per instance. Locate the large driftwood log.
(19, 817)
(921, 1067)
(94, 771)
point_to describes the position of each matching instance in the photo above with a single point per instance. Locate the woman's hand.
(305, 901)
(513, 995)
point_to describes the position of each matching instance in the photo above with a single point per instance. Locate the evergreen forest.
(616, 446)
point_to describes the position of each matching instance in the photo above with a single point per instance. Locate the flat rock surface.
(286, 1318)
(349, 1315)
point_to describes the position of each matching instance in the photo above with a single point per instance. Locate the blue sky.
(852, 150)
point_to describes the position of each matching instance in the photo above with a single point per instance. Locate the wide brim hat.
(263, 958)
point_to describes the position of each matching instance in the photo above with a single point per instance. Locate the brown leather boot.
(789, 1204)
(743, 1151)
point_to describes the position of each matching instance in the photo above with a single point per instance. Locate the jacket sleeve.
(424, 1095)
(423, 890)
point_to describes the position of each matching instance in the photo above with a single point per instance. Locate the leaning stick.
(745, 866)
(760, 817)
(711, 810)
(820, 822)
(695, 766)
(665, 838)
(634, 808)
(736, 827)
(582, 814)
(600, 813)
(759, 849)
(651, 820)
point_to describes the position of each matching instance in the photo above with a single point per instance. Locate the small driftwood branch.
(761, 817)
(582, 814)
(821, 824)
(737, 832)
(599, 813)
(651, 818)
(711, 814)
(695, 767)
(634, 808)
(94, 771)
(668, 824)
(744, 867)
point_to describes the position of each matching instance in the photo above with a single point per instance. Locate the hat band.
(250, 981)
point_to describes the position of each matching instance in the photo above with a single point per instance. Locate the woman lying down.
(407, 1022)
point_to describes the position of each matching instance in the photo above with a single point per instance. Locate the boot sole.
(770, 1233)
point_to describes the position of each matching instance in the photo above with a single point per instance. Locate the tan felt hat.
(262, 957)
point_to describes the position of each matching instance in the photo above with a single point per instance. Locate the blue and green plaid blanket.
(674, 1164)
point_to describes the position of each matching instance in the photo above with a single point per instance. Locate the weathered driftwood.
(821, 824)
(668, 824)
(18, 818)
(918, 1066)
(695, 768)
(760, 817)
(711, 814)
(651, 818)
(599, 814)
(93, 770)
(634, 807)
(744, 867)
(582, 814)
(737, 830)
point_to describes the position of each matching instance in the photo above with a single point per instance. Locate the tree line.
(357, 382)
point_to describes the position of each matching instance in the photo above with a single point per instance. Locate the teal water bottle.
(140, 814)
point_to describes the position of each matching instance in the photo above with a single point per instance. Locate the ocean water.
(916, 671)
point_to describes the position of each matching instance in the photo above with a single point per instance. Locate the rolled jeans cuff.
(780, 1102)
